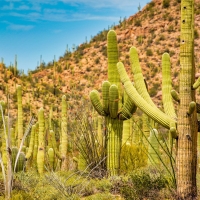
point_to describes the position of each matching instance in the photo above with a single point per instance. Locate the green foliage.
(138, 22)
(149, 52)
(132, 157)
(150, 6)
(101, 36)
(166, 3)
(90, 146)
(144, 184)
(171, 28)
(196, 34)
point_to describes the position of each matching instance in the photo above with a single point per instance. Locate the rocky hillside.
(153, 30)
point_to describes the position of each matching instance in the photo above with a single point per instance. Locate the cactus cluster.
(112, 107)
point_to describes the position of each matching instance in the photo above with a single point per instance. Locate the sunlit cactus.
(41, 150)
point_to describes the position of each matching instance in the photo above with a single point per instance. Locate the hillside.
(153, 30)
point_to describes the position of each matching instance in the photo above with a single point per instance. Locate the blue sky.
(31, 28)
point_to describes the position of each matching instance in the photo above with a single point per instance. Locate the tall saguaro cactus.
(19, 115)
(40, 154)
(184, 128)
(112, 106)
(187, 120)
(64, 134)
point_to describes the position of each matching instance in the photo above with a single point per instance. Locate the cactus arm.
(105, 96)
(95, 99)
(175, 96)
(113, 101)
(128, 109)
(112, 52)
(167, 87)
(139, 82)
(196, 84)
(192, 108)
(152, 112)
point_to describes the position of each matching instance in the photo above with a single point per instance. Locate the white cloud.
(119, 4)
(34, 10)
(18, 27)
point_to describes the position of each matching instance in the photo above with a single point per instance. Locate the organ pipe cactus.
(40, 153)
(184, 128)
(112, 106)
(19, 115)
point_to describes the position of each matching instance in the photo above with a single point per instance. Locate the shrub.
(138, 22)
(143, 184)
(196, 34)
(166, 3)
(171, 28)
(132, 157)
(149, 52)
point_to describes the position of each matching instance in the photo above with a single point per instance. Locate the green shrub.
(149, 52)
(138, 22)
(132, 157)
(143, 184)
(171, 28)
(196, 34)
(166, 3)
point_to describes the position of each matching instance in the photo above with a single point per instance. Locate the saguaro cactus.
(31, 144)
(64, 134)
(112, 106)
(40, 154)
(184, 128)
(19, 115)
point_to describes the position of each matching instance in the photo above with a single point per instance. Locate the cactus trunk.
(187, 123)
(64, 134)
(19, 115)
(40, 154)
